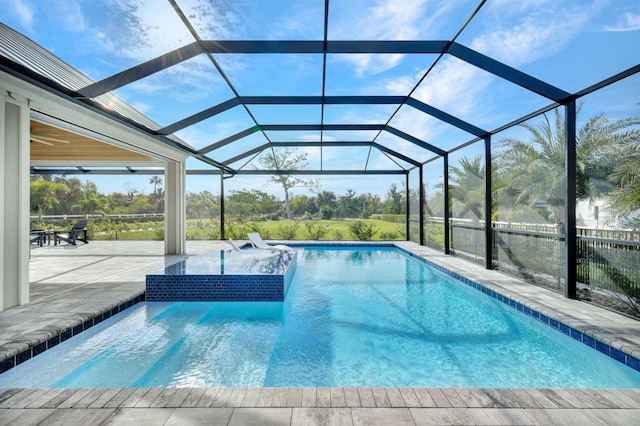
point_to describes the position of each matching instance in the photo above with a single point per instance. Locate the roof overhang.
(54, 110)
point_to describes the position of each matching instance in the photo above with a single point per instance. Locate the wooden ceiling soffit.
(54, 144)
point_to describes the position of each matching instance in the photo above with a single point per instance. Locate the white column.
(14, 193)
(175, 213)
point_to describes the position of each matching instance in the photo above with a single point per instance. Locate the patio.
(71, 284)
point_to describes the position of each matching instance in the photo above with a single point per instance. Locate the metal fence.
(607, 259)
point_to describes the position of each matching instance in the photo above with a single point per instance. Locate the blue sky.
(571, 44)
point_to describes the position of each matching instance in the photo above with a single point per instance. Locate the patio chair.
(234, 245)
(257, 242)
(37, 236)
(77, 233)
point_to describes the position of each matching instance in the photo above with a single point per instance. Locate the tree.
(624, 199)
(534, 168)
(370, 204)
(70, 197)
(301, 204)
(287, 161)
(394, 202)
(466, 185)
(326, 198)
(196, 207)
(156, 181)
(45, 194)
(349, 204)
(91, 204)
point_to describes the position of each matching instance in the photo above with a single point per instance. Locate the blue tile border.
(581, 337)
(40, 347)
(217, 287)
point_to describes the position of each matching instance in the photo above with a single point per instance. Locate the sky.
(570, 44)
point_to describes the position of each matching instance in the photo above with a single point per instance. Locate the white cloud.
(25, 11)
(453, 86)
(543, 32)
(382, 20)
(377, 20)
(70, 15)
(143, 107)
(520, 33)
(214, 20)
(306, 137)
(627, 22)
(140, 29)
(372, 64)
(510, 7)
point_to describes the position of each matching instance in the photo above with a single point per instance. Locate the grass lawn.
(322, 230)
(279, 229)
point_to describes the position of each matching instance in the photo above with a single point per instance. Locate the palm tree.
(156, 181)
(90, 204)
(466, 185)
(44, 194)
(535, 168)
(624, 199)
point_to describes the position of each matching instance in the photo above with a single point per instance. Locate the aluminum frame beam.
(321, 127)
(508, 73)
(447, 118)
(323, 47)
(199, 116)
(376, 145)
(320, 172)
(327, 100)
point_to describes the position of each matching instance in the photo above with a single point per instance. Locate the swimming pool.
(352, 317)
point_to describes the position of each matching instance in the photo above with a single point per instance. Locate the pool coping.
(616, 337)
(33, 344)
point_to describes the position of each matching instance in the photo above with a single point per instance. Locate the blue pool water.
(352, 317)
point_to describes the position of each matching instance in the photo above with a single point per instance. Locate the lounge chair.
(258, 242)
(234, 245)
(77, 233)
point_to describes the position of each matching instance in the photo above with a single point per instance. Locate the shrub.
(362, 230)
(215, 233)
(395, 218)
(316, 231)
(326, 212)
(235, 231)
(288, 231)
(388, 236)
(255, 227)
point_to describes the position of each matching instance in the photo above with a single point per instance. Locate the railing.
(607, 260)
(88, 216)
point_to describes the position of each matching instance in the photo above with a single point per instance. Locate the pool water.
(352, 317)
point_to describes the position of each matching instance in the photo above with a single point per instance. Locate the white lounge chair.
(234, 245)
(258, 242)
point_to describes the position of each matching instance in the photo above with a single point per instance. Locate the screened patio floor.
(71, 284)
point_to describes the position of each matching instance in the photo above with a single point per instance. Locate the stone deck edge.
(29, 345)
(318, 397)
